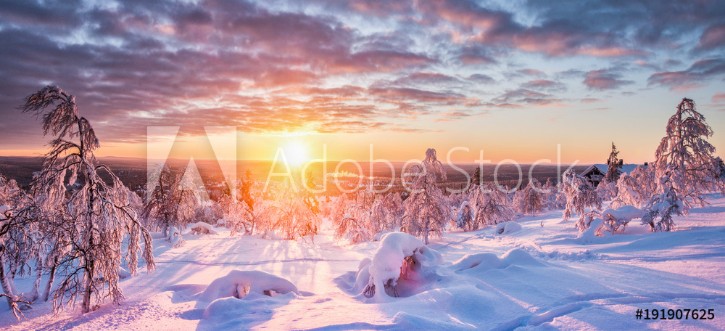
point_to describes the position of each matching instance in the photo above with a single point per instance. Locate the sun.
(296, 153)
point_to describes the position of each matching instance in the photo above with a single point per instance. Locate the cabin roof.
(602, 168)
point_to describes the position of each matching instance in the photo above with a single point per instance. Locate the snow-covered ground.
(540, 276)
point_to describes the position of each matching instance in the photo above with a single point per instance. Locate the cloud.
(519, 97)
(551, 37)
(332, 65)
(530, 72)
(718, 97)
(481, 78)
(696, 74)
(544, 85)
(713, 37)
(604, 79)
(428, 78)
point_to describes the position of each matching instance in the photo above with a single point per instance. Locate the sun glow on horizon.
(296, 152)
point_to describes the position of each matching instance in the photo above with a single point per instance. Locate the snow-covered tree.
(355, 224)
(607, 190)
(720, 173)
(530, 200)
(664, 206)
(490, 205)
(20, 243)
(237, 215)
(686, 157)
(637, 188)
(553, 197)
(476, 177)
(92, 202)
(464, 216)
(581, 199)
(294, 218)
(245, 189)
(172, 203)
(426, 209)
(614, 166)
(387, 212)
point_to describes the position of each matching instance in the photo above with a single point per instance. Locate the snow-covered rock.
(201, 228)
(239, 284)
(507, 227)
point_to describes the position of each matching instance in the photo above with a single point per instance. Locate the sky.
(512, 80)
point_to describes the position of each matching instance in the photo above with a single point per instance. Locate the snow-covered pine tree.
(686, 157)
(93, 202)
(245, 189)
(581, 198)
(613, 166)
(490, 205)
(476, 177)
(426, 209)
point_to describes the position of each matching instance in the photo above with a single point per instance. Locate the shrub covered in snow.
(615, 220)
(664, 206)
(399, 266)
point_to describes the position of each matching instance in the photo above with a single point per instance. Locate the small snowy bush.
(399, 266)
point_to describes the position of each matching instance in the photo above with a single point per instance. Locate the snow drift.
(486, 261)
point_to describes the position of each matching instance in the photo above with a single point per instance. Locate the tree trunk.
(35, 294)
(7, 288)
(51, 279)
(88, 290)
(427, 230)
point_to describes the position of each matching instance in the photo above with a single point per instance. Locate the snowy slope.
(541, 276)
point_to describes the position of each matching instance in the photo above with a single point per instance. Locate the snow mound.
(507, 227)
(616, 220)
(590, 234)
(240, 284)
(486, 261)
(624, 212)
(401, 265)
